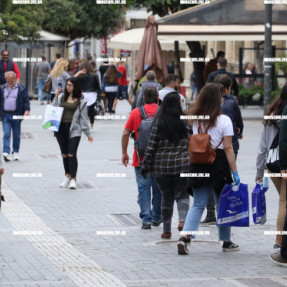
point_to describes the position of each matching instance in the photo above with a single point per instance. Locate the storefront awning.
(193, 32)
(131, 40)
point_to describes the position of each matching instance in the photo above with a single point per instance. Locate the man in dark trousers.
(7, 65)
(221, 69)
(14, 102)
(281, 258)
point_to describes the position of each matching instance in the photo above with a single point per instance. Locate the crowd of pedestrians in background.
(156, 114)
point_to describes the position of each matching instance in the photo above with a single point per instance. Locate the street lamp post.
(267, 56)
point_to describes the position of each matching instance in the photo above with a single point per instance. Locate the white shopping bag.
(90, 97)
(52, 118)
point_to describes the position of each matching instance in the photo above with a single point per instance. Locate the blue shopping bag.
(233, 206)
(259, 204)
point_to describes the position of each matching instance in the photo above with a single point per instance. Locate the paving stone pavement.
(75, 223)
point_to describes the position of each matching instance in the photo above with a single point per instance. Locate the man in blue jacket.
(14, 102)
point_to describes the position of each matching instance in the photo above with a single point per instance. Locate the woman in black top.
(90, 86)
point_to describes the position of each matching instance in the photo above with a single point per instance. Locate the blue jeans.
(147, 213)
(41, 93)
(8, 125)
(200, 197)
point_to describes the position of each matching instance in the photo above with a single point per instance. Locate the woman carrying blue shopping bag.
(74, 121)
(219, 127)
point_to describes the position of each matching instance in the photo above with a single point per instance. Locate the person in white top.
(208, 103)
(172, 84)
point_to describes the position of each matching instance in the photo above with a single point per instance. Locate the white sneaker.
(73, 184)
(65, 182)
(15, 156)
(92, 129)
(6, 156)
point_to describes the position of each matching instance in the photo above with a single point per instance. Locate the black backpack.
(144, 131)
(272, 162)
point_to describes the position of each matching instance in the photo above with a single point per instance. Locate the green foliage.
(20, 20)
(82, 19)
(281, 65)
(254, 95)
(162, 7)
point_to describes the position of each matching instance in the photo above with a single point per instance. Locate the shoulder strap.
(142, 112)
(218, 144)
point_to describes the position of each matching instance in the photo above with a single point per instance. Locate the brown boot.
(166, 235)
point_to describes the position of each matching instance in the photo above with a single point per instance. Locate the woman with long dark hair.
(110, 86)
(166, 157)
(74, 121)
(270, 130)
(219, 127)
(90, 85)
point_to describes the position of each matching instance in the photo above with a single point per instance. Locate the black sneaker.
(157, 223)
(278, 259)
(209, 221)
(229, 246)
(146, 226)
(181, 246)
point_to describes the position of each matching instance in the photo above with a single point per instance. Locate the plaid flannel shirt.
(165, 157)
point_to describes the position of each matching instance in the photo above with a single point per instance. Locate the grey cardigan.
(267, 136)
(80, 120)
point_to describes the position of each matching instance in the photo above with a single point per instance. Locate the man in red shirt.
(123, 85)
(149, 215)
(7, 65)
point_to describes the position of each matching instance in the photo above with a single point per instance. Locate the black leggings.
(69, 147)
(91, 113)
(111, 98)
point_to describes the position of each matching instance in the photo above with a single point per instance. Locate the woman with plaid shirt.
(166, 157)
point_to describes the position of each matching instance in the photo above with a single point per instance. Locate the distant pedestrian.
(221, 69)
(42, 71)
(91, 89)
(247, 81)
(166, 157)
(211, 66)
(14, 101)
(172, 84)
(57, 57)
(74, 121)
(270, 130)
(59, 76)
(150, 82)
(7, 65)
(193, 86)
(149, 196)
(110, 86)
(219, 127)
(123, 84)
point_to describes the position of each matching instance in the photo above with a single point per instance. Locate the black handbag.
(272, 162)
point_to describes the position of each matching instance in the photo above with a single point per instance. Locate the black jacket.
(90, 83)
(231, 109)
(212, 76)
(283, 142)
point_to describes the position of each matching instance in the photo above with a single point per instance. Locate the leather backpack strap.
(218, 144)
